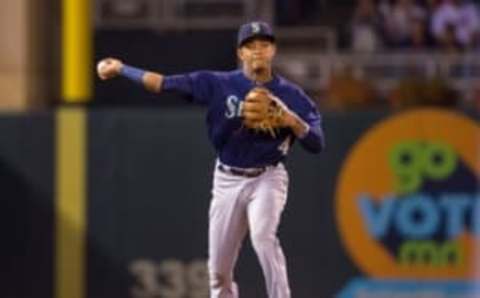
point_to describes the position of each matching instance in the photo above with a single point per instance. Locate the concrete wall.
(14, 54)
(28, 53)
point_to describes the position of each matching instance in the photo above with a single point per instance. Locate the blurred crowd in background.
(449, 25)
(373, 25)
(415, 28)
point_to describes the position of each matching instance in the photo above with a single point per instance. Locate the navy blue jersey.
(223, 92)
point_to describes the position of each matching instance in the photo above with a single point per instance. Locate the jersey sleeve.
(314, 140)
(198, 86)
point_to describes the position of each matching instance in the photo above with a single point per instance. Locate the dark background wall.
(26, 210)
(149, 178)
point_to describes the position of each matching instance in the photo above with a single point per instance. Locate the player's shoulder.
(288, 87)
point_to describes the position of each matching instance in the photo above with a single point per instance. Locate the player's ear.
(274, 49)
(240, 54)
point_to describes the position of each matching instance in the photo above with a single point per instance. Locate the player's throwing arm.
(109, 68)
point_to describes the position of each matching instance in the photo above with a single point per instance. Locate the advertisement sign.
(408, 207)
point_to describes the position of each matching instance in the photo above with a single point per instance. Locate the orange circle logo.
(408, 199)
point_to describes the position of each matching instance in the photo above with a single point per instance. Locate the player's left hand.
(262, 111)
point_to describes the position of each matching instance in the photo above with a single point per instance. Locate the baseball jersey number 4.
(285, 145)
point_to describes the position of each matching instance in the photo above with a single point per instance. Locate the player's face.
(257, 54)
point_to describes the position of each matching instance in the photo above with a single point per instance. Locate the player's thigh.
(267, 204)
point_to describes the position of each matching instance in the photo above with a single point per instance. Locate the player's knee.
(261, 241)
(219, 280)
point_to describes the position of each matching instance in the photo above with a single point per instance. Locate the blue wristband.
(132, 73)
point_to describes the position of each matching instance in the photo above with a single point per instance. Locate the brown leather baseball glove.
(262, 111)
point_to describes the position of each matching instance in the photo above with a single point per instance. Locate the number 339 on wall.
(170, 278)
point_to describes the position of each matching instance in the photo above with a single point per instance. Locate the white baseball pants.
(242, 204)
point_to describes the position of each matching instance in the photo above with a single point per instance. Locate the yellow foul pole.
(71, 203)
(70, 224)
(76, 51)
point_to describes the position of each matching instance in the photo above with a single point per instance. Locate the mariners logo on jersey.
(233, 107)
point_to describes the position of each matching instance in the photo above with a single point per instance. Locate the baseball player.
(253, 118)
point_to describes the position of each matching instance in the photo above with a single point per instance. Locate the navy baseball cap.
(254, 29)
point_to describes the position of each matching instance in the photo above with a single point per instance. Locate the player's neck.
(259, 76)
